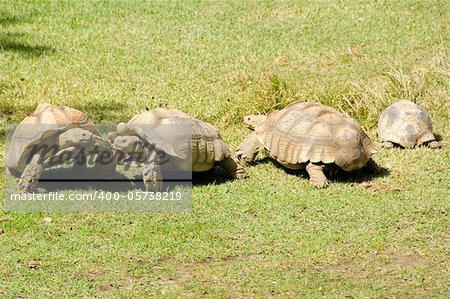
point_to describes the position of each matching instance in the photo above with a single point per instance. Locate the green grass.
(270, 235)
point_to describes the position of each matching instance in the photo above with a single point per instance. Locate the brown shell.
(405, 123)
(206, 148)
(38, 128)
(304, 132)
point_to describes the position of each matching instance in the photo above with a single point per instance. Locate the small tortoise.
(144, 134)
(309, 135)
(406, 124)
(50, 136)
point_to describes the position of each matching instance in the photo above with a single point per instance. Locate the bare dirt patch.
(377, 263)
(205, 272)
(378, 187)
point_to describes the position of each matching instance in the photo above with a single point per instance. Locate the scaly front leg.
(316, 176)
(233, 169)
(30, 176)
(152, 173)
(248, 149)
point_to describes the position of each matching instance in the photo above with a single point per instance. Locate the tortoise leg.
(152, 173)
(30, 175)
(372, 167)
(152, 177)
(233, 169)
(387, 144)
(316, 176)
(434, 144)
(248, 149)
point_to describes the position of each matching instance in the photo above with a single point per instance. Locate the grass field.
(270, 235)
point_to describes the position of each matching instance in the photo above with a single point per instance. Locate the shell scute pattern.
(39, 128)
(405, 123)
(204, 140)
(304, 132)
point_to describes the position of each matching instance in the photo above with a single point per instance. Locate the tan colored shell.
(39, 128)
(207, 146)
(405, 123)
(304, 132)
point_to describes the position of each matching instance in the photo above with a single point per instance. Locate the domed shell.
(38, 128)
(179, 131)
(312, 132)
(405, 123)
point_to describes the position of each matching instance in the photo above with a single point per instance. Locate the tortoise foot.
(319, 184)
(29, 179)
(434, 145)
(241, 173)
(317, 178)
(387, 144)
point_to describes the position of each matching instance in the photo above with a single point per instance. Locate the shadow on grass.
(10, 43)
(66, 179)
(438, 137)
(8, 20)
(339, 175)
(63, 179)
(215, 176)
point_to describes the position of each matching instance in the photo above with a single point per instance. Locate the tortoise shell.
(42, 127)
(180, 135)
(405, 123)
(312, 132)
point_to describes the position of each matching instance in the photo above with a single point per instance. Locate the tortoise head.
(252, 121)
(75, 136)
(128, 144)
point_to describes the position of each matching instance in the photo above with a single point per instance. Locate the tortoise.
(50, 136)
(407, 125)
(193, 145)
(309, 135)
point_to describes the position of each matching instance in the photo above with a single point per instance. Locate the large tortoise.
(406, 124)
(308, 135)
(194, 145)
(51, 136)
